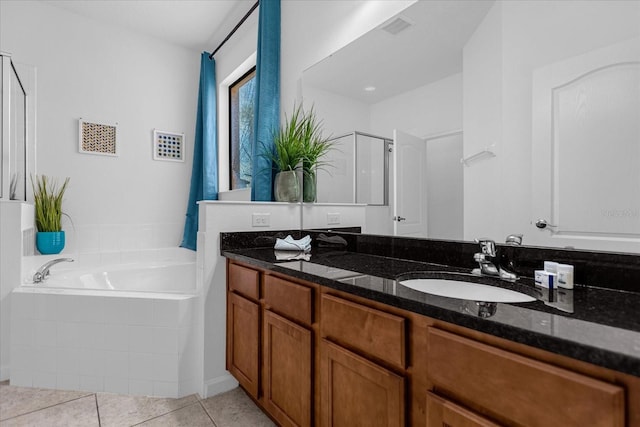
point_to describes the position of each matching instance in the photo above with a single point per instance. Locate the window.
(241, 96)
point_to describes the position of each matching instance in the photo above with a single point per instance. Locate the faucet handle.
(487, 246)
(514, 239)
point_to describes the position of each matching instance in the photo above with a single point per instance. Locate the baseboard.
(219, 385)
(5, 372)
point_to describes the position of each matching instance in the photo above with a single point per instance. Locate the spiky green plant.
(48, 195)
(315, 145)
(288, 147)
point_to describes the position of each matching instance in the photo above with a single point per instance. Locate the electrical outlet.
(261, 219)
(333, 218)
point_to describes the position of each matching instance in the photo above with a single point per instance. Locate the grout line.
(208, 414)
(46, 407)
(166, 413)
(95, 395)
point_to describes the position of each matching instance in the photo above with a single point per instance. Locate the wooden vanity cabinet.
(314, 356)
(518, 390)
(243, 327)
(287, 348)
(357, 343)
(270, 342)
(444, 413)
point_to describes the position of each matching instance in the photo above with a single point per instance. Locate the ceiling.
(193, 24)
(429, 49)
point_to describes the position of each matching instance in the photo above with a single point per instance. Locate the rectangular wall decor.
(168, 146)
(98, 138)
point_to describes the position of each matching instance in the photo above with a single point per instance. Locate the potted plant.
(287, 157)
(47, 196)
(314, 147)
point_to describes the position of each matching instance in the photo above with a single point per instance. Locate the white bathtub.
(125, 328)
(155, 276)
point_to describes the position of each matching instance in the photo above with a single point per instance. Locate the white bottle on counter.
(565, 276)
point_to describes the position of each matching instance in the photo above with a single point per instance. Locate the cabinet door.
(442, 413)
(243, 318)
(287, 370)
(357, 392)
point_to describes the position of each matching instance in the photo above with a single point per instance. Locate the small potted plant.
(314, 147)
(48, 196)
(287, 157)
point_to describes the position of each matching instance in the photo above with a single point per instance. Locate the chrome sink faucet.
(43, 271)
(485, 260)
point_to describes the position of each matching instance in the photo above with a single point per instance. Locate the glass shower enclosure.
(13, 132)
(356, 171)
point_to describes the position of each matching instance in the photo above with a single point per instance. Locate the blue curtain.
(204, 173)
(267, 102)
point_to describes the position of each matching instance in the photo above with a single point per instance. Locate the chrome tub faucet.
(43, 271)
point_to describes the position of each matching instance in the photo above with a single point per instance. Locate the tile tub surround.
(128, 343)
(604, 328)
(42, 407)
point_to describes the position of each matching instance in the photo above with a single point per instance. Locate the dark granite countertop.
(596, 325)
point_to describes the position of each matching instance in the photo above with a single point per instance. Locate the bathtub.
(125, 327)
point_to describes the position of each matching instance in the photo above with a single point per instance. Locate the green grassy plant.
(299, 142)
(48, 195)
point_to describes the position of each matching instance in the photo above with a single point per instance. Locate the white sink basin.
(465, 290)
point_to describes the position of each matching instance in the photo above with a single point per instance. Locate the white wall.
(514, 39)
(428, 110)
(90, 70)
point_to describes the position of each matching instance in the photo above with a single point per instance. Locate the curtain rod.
(244, 18)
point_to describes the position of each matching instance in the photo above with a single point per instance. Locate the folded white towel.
(289, 244)
(292, 256)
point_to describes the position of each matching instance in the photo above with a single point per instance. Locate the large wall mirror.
(498, 114)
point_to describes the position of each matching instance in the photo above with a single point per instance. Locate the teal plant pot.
(50, 242)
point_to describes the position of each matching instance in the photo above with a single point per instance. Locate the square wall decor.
(168, 146)
(98, 138)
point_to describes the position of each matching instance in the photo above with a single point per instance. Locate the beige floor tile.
(190, 416)
(119, 410)
(235, 408)
(76, 413)
(16, 401)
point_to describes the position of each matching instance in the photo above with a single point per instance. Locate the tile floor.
(24, 406)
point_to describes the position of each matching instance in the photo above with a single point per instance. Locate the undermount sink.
(465, 290)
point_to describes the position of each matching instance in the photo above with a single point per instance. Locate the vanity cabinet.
(518, 390)
(444, 413)
(310, 355)
(357, 343)
(355, 388)
(287, 371)
(243, 327)
(270, 342)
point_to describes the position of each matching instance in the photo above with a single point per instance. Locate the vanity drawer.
(441, 412)
(288, 299)
(244, 281)
(371, 331)
(518, 389)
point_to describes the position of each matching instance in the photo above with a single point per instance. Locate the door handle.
(399, 218)
(542, 223)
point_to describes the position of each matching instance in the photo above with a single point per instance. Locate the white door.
(586, 150)
(409, 185)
